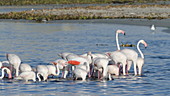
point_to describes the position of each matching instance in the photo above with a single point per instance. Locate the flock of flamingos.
(100, 66)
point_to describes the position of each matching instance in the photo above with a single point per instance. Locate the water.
(39, 43)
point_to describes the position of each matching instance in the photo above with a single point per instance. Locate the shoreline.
(93, 12)
(137, 22)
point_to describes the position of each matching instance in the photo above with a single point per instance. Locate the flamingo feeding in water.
(15, 61)
(27, 75)
(101, 65)
(52, 70)
(81, 71)
(42, 70)
(7, 71)
(140, 60)
(61, 64)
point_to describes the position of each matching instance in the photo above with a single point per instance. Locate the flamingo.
(61, 64)
(8, 72)
(118, 56)
(101, 64)
(64, 55)
(133, 56)
(42, 70)
(140, 60)
(27, 75)
(81, 71)
(113, 70)
(25, 67)
(52, 70)
(15, 61)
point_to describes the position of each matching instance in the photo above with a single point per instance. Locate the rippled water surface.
(39, 43)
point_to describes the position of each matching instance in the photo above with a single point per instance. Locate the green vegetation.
(35, 2)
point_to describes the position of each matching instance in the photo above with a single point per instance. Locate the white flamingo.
(64, 55)
(15, 61)
(27, 75)
(113, 70)
(133, 56)
(81, 71)
(101, 64)
(25, 67)
(42, 70)
(118, 56)
(3, 72)
(61, 64)
(140, 60)
(52, 70)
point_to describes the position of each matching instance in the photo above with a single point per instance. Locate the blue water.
(39, 43)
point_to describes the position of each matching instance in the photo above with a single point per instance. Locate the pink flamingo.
(15, 61)
(140, 60)
(118, 56)
(8, 72)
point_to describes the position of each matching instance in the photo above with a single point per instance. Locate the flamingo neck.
(2, 76)
(117, 41)
(142, 56)
(38, 76)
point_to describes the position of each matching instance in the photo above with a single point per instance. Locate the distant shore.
(145, 15)
(93, 12)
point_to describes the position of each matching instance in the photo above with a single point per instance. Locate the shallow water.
(39, 43)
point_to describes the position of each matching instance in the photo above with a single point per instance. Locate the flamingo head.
(73, 62)
(144, 43)
(8, 72)
(120, 31)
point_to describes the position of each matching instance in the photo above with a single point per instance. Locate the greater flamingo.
(8, 72)
(61, 64)
(118, 56)
(81, 71)
(15, 61)
(133, 56)
(27, 75)
(42, 70)
(25, 67)
(113, 70)
(64, 55)
(140, 60)
(52, 70)
(101, 65)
